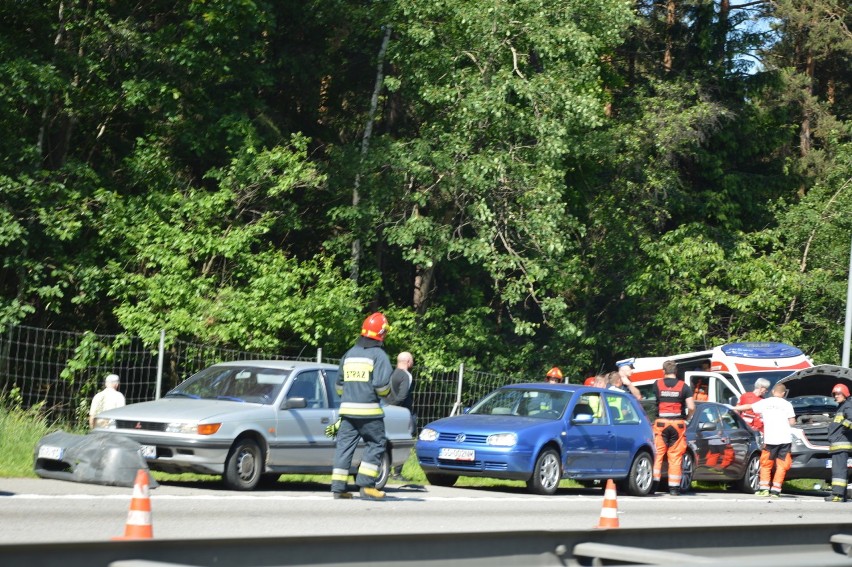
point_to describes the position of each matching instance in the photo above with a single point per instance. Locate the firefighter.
(674, 403)
(778, 416)
(840, 438)
(554, 376)
(362, 378)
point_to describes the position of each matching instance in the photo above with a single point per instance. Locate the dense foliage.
(517, 184)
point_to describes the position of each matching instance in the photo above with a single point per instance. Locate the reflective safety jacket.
(670, 399)
(363, 377)
(840, 430)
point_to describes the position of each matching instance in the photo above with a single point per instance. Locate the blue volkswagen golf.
(542, 433)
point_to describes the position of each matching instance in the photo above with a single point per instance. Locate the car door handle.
(325, 420)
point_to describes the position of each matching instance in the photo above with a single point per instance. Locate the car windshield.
(234, 383)
(532, 402)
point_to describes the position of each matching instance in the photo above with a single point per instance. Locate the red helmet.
(589, 381)
(555, 373)
(375, 327)
(840, 388)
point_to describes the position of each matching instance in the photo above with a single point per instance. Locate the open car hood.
(817, 380)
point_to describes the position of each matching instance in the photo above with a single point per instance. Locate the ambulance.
(724, 373)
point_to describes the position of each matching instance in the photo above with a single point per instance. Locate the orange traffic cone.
(139, 517)
(609, 512)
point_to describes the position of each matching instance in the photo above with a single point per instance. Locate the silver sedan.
(249, 421)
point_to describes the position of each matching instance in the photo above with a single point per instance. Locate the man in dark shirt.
(402, 388)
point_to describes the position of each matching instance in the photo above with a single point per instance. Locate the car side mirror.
(707, 426)
(582, 418)
(295, 403)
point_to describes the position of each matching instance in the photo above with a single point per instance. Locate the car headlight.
(502, 439)
(104, 423)
(193, 428)
(428, 434)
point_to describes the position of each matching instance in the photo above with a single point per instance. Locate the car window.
(542, 404)
(308, 385)
(234, 383)
(592, 402)
(730, 421)
(707, 414)
(621, 410)
(329, 378)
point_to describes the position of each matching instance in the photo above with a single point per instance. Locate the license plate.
(49, 452)
(149, 451)
(456, 454)
(848, 463)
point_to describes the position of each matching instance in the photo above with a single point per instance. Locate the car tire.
(440, 479)
(640, 479)
(384, 470)
(688, 466)
(546, 474)
(244, 465)
(751, 477)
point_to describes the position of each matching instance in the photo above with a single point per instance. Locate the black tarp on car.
(95, 458)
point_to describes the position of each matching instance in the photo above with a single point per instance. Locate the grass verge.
(20, 431)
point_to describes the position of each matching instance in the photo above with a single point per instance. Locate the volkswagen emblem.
(460, 438)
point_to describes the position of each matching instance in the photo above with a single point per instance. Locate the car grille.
(140, 425)
(453, 438)
(816, 435)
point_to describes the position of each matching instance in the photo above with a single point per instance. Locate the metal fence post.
(319, 355)
(160, 363)
(458, 404)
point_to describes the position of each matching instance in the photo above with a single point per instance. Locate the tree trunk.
(365, 145)
(805, 130)
(422, 288)
(721, 43)
(668, 58)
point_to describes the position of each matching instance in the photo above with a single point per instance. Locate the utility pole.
(847, 331)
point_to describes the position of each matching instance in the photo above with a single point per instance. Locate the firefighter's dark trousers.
(352, 429)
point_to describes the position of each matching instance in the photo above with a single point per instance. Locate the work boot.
(835, 498)
(774, 494)
(342, 495)
(372, 494)
(763, 492)
(674, 491)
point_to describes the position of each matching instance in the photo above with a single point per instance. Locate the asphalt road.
(52, 511)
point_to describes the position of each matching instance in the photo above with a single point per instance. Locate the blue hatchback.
(542, 433)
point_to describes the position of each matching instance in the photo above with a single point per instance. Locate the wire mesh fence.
(61, 371)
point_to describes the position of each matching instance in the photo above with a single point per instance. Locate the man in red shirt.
(761, 386)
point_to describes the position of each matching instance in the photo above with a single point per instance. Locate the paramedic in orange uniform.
(674, 403)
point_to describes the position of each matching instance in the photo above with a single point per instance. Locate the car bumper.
(813, 464)
(177, 455)
(492, 462)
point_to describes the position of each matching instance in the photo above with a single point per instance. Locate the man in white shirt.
(778, 416)
(107, 399)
